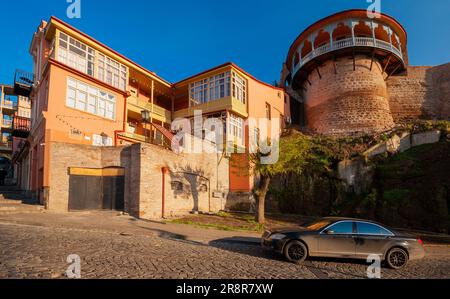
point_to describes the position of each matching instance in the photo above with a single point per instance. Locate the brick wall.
(423, 93)
(342, 100)
(192, 181)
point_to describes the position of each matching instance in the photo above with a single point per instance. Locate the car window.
(342, 228)
(364, 228)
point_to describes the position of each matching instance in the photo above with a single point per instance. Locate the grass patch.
(222, 221)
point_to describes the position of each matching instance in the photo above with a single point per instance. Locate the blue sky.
(177, 38)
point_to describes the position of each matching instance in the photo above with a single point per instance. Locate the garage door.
(96, 189)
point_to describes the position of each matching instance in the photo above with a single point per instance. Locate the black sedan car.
(345, 238)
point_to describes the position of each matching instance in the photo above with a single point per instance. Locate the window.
(199, 92)
(237, 128)
(76, 54)
(342, 228)
(111, 72)
(82, 58)
(364, 228)
(90, 99)
(268, 112)
(239, 88)
(218, 87)
(100, 140)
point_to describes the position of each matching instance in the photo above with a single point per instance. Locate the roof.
(151, 72)
(108, 48)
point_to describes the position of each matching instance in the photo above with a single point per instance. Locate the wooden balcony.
(6, 146)
(159, 113)
(157, 135)
(9, 105)
(7, 123)
(23, 83)
(21, 127)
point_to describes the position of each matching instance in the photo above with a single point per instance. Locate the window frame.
(102, 99)
(390, 233)
(217, 87)
(236, 128)
(91, 62)
(322, 232)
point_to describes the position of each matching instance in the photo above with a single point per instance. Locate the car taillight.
(421, 242)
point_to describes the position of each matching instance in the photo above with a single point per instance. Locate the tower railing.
(348, 43)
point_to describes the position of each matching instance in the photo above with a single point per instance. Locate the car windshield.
(317, 225)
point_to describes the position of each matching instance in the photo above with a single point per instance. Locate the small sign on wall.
(99, 140)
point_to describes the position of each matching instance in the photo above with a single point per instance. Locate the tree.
(299, 154)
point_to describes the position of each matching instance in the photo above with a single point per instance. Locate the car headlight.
(277, 237)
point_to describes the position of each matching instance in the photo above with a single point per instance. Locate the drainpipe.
(125, 118)
(164, 170)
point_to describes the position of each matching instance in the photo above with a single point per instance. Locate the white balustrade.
(348, 43)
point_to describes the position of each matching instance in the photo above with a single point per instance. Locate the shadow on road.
(252, 247)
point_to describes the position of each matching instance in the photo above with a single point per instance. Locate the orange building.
(86, 93)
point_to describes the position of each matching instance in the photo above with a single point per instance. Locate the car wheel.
(397, 258)
(296, 252)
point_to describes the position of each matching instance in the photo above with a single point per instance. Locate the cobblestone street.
(30, 251)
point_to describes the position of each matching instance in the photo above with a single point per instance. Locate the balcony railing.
(157, 135)
(21, 124)
(6, 146)
(157, 110)
(23, 83)
(7, 123)
(8, 104)
(348, 43)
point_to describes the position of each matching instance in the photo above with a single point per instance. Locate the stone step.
(21, 208)
(10, 202)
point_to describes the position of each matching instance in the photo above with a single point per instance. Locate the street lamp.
(145, 114)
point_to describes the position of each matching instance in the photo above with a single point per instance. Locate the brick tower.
(336, 73)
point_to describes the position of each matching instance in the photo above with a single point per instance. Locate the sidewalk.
(115, 223)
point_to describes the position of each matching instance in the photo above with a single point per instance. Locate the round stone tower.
(336, 71)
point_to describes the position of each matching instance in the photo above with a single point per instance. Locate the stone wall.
(424, 93)
(192, 181)
(343, 101)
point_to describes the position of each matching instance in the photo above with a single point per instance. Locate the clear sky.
(179, 38)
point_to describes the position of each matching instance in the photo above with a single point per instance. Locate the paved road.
(29, 251)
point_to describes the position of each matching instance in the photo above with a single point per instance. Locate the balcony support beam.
(318, 72)
(371, 61)
(395, 69)
(387, 63)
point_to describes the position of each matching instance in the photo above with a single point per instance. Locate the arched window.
(322, 39)
(342, 32)
(296, 58)
(362, 30)
(395, 42)
(307, 48)
(381, 34)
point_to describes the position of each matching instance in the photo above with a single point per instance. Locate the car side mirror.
(329, 232)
